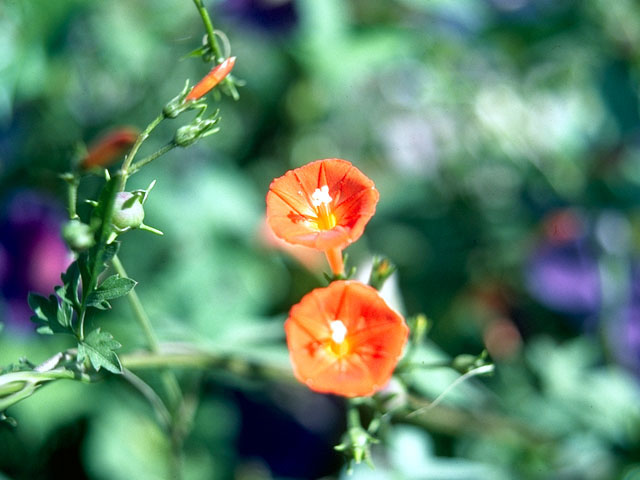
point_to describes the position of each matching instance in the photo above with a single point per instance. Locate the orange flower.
(324, 204)
(344, 339)
(110, 147)
(211, 79)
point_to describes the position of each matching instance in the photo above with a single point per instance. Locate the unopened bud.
(78, 235)
(188, 134)
(109, 148)
(127, 211)
(211, 79)
(177, 105)
(381, 270)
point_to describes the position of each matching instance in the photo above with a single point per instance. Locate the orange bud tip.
(211, 79)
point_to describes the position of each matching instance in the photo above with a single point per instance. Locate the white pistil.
(321, 196)
(338, 331)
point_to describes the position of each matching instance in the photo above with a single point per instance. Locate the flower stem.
(334, 257)
(134, 150)
(353, 415)
(211, 37)
(213, 45)
(146, 160)
(72, 196)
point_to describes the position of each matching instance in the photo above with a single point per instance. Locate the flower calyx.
(381, 270)
(178, 104)
(198, 128)
(465, 363)
(356, 446)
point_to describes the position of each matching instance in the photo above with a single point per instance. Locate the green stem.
(134, 150)
(146, 160)
(206, 360)
(107, 202)
(353, 415)
(169, 380)
(152, 397)
(138, 310)
(213, 45)
(211, 36)
(72, 196)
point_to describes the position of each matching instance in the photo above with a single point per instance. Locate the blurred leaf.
(49, 315)
(70, 284)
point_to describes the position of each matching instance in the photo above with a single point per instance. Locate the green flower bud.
(199, 128)
(127, 211)
(177, 105)
(78, 235)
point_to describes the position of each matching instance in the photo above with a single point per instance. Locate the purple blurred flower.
(562, 273)
(32, 253)
(272, 15)
(624, 334)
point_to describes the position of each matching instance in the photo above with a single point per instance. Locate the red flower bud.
(109, 148)
(213, 78)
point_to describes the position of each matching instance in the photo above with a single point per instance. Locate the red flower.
(324, 204)
(110, 147)
(211, 79)
(344, 339)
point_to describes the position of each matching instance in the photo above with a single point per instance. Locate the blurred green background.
(504, 138)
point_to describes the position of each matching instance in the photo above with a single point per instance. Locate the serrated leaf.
(49, 315)
(113, 287)
(99, 348)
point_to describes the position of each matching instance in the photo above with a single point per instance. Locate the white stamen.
(320, 196)
(338, 331)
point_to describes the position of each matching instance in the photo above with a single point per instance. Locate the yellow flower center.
(320, 199)
(338, 344)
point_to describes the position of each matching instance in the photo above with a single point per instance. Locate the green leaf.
(110, 251)
(49, 316)
(113, 287)
(99, 348)
(70, 284)
(83, 266)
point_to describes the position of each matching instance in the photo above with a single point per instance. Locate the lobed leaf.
(113, 287)
(99, 348)
(49, 315)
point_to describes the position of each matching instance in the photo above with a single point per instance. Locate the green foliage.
(112, 287)
(99, 348)
(51, 316)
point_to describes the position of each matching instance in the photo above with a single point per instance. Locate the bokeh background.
(504, 138)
